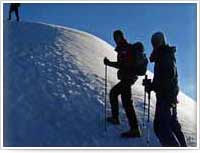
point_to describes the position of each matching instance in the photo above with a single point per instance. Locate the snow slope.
(54, 91)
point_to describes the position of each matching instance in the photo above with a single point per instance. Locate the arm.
(116, 65)
(113, 64)
(168, 68)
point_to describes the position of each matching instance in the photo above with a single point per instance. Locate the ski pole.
(105, 95)
(148, 121)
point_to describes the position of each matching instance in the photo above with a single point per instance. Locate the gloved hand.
(147, 84)
(106, 61)
(175, 102)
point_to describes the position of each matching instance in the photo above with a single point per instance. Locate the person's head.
(157, 40)
(139, 46)
(118, 36)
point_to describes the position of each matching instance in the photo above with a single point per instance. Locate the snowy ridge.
(54, 90)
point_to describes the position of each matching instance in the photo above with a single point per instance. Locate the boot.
(132, 133)
(113, 120)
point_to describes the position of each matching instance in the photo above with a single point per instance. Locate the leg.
(10, 12)
(114, 93)
(17, 14)
(128, 106)
(162, 125)
(176, 127)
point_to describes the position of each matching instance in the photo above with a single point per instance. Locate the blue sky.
(138, 21)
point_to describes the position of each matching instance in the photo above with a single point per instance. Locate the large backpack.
(140, 60)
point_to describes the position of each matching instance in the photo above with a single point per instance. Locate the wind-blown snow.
(54, 91)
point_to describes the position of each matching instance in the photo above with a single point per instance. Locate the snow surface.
(54, 91)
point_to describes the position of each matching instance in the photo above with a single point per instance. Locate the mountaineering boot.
(113, 120)
(132, 133)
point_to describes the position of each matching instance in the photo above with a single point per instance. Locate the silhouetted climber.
(165, 84)
(14, 8)
(127, 78)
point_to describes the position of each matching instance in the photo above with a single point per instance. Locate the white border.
(198, 120)
(94, 148)
(99, 1)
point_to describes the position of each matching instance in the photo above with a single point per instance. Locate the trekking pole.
(144, 103)
(148, 121)
(105, 95)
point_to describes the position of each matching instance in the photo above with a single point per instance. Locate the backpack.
(140, 60)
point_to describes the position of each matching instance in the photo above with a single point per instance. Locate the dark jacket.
(124, 61)
(165, 81)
